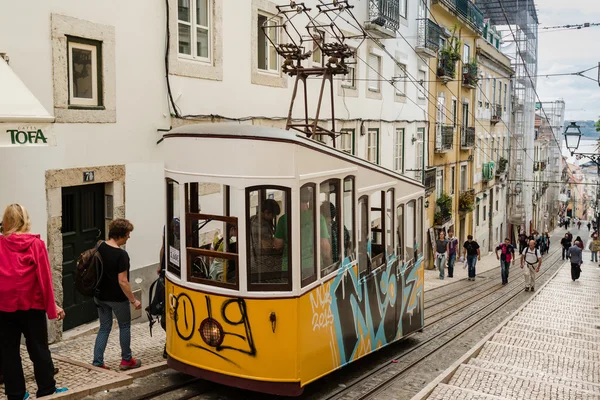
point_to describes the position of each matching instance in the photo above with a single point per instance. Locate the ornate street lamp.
(572, 137)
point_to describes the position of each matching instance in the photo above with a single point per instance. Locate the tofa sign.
(13, 135)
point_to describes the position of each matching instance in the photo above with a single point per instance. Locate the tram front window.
(211, 234)
(268, 234)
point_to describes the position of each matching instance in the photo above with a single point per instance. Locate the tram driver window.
(349, 221)
(331, 227)
(211, 233)
(268, 238)
(172, 255)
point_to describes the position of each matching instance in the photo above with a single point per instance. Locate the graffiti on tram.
(369, 312)
(228, 320)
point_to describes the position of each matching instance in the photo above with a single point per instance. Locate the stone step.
(544, 304)
(532, 374)
(554, 339)
(558, 316)
(561, 365)
(536, 318)
(448, 392)
(508, 386)
(592, 335)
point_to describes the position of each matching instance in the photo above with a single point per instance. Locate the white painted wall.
(141, 110)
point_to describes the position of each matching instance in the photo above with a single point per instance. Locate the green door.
(82, 227)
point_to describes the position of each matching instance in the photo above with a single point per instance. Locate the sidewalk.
(73, 358)
(549, 349)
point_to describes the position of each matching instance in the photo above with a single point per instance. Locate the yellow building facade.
(452, 100)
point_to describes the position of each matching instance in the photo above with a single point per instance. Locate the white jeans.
(529, 274)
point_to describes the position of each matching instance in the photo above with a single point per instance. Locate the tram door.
(82, 227)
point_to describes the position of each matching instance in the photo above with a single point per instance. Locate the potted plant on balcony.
(502, 163)
(470, 71)
(449, 55)
(444, 204)
(466, 201)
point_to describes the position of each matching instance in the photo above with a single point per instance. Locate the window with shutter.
(374, 71)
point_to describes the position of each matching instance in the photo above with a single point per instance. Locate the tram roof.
(234, 130)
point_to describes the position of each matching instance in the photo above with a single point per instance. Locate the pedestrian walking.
(507, 254)
(566, 244)
(115, 295)
(595, 248)
(533, 260)
(452, 249)
(579, 242)
(472, 255)
(589, 225)
(441, 253)
(576, 256)
(578, 225)
(26, 299)
(522, 241)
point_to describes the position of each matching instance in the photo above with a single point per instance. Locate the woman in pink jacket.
(26, 296)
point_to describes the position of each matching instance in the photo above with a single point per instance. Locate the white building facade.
(112, 87)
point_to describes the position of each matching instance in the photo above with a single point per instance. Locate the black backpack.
(88, 273)
(156, 299)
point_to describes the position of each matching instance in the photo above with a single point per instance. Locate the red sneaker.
(131, 364)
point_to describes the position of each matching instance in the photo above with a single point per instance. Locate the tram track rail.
(202, 387)
(389, 371)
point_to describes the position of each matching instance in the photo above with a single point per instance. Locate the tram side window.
(363, 234)
(349, 221)
(308, 216)
(389, 222)
(419, 229)
(173, 232)
(211, 233)
(400, 232)
(377, 229)
(330, 226)
(410, 230)
(268, 235)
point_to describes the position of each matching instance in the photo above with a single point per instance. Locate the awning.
(23, 119)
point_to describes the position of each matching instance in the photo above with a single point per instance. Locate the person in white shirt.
(531, 258)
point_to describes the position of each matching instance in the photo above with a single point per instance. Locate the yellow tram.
(287, 259)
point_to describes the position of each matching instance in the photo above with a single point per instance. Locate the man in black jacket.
(566, 244)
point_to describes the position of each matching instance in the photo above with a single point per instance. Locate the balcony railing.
(428, 37)
(430, 181)
(496, 113)
(466, 9)
(466, 200)
(467, 137)
(444, 138)
(385, 13)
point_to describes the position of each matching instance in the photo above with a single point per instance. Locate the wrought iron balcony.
(465, 9)
(467, 137)
(496, 113)
(384, 17)
(428, 37)
(430, 181)
(444, 138)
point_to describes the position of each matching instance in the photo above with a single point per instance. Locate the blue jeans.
(440, 263)
(504, 269)
(595, 256)
(105, 313)
(471, 261)
(451, 259)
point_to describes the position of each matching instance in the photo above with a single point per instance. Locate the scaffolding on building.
(517, 21)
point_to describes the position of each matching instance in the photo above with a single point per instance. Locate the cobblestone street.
(549, 350)
(73, 358)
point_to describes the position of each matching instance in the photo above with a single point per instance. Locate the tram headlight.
(211, 332)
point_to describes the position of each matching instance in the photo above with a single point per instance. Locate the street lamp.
(572, 137)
